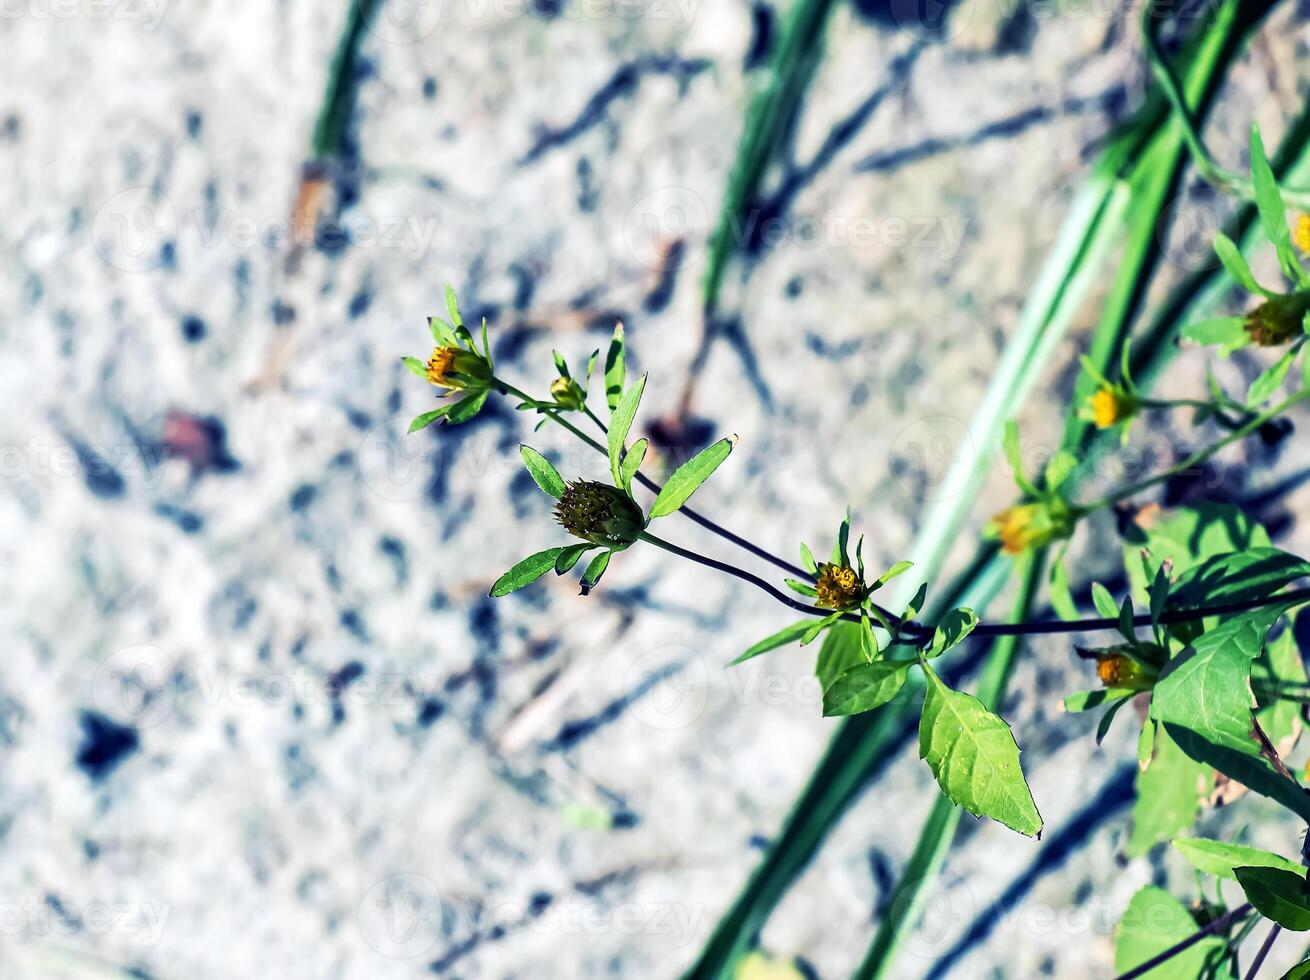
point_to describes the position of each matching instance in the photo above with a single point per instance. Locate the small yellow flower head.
(599, 513)
(1301, 233)
(839, 587)
(1026, 526)
(1109, 406)
(457, 369)
(1118, 670)
(567, 393)
(1277, 320)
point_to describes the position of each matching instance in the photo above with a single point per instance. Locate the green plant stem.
(1197, 458)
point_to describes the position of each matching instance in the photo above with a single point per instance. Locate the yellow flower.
(457, 369)
(1117, 670)
(1109, 406)
(1301, 233)
(567, 393)
(839, 587)
(1025, 526)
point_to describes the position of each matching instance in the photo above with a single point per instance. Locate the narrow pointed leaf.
(427, 418)
(688, 477)
(621, 422)
(614, 368)
(542, 472)
(784, 637)
(595, 569)
(526, 572)
(632, 462)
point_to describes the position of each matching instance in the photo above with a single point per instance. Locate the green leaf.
(839, 652)
(1280, 666)
(818, 627)
(784, 637)
(614, 369)
(569, 557)
(951, 631)
(632, 462)
(442, 333)
(1169, 792)
(1203, 698)
(900, 568)
(1278, 894)
(526, 572)
(1191, 535)
(1126, 618)
(1061, 597)
(974, 757)
(595, 569)
(1158, 595)
(427, 418)
(1256, 573)
(561, 365)
(840, 555)
(864, 687)
(1154, 922)
(1104, 602)
(1014, 456)
(1231, 256)
(1214, 857)
(1273, 213)
(466, 408)
(1081, 701)
(1269, 380)
(688, 477)
(916, 604)
(620, 423)
(1059, 468)
(1223, 330)
(1299, 972)
(868, 642)
(542, 472)
(803, 588)
(452, 307)
(807, 559)
(417, 366)
(591, 366)
(1103, 726)
(1145, 746)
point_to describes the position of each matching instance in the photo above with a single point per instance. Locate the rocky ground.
(258, 719)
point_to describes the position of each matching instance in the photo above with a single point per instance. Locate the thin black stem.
(1264, 951)
(1223, 922)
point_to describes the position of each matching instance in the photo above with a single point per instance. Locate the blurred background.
(258, 718)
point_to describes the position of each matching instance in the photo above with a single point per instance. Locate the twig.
(1264, 951)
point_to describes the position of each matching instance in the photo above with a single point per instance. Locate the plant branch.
(1223, 922)
(1264, 951)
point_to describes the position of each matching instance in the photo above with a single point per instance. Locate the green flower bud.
(600, 513)
(567, 393)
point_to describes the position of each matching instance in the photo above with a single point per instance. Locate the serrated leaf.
(784, 637)
(1278, 894)
(620, 423)
(614, 368)
(542, 472)
(427, 418)
(688, 477)
(974, 757)
(1221, 330)
(1203, 699)
(1269, 380)
(1155, 922)
(1214, 857)
(863, 688)
(526, 572)
(632, 462)
(951, 631)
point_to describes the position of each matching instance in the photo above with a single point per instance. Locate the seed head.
(599, 513)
